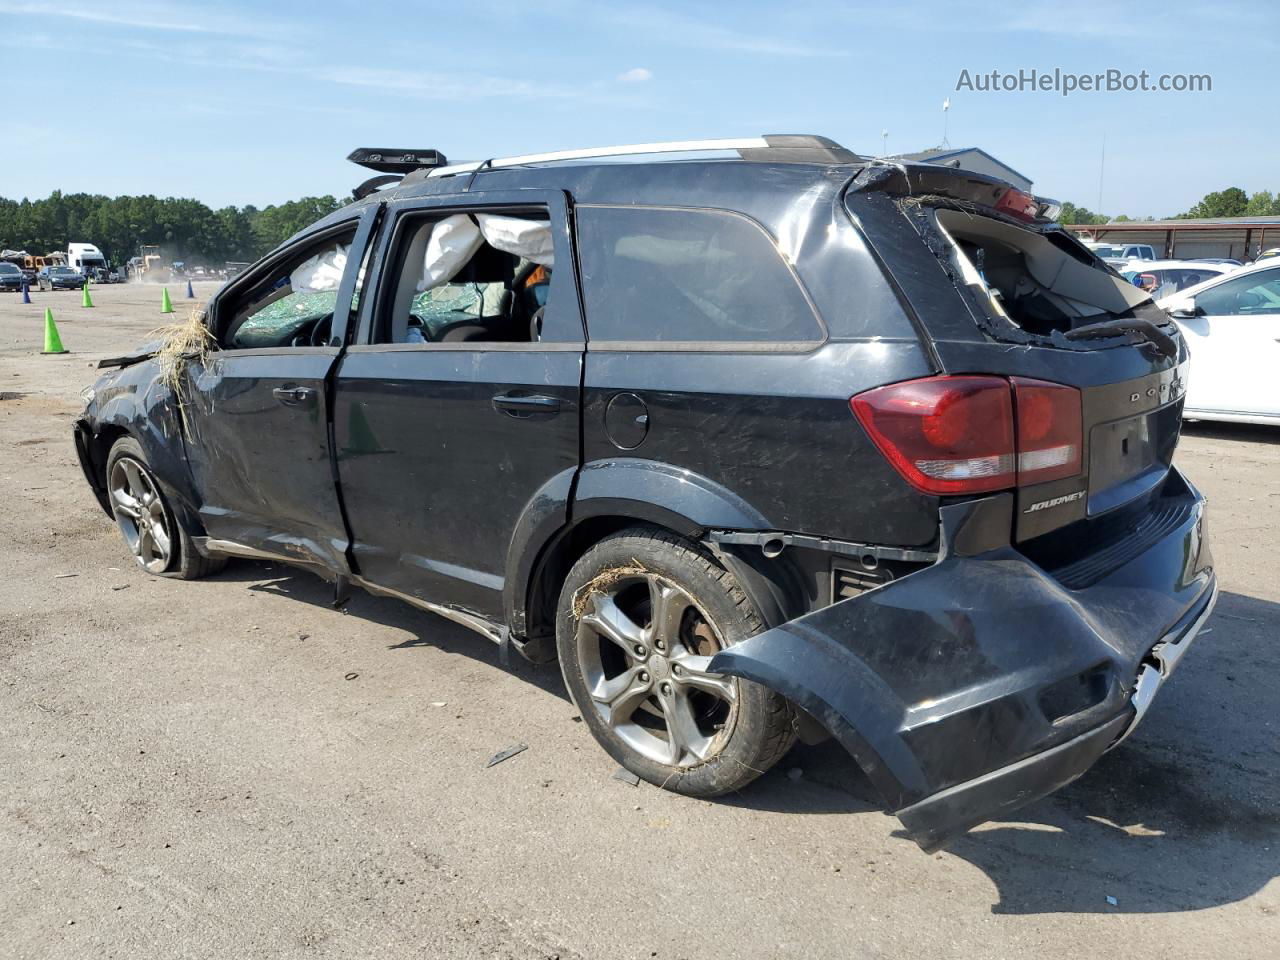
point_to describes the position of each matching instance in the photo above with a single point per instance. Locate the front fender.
(134, 401)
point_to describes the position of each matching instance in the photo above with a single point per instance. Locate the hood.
(137, 355)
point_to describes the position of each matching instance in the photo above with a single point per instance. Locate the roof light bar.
(395, 159)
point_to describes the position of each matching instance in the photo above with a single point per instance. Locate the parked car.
(1163, 277)
(1121, 255)
(11, 277)
(791, 444)
(1231, 324)
(59, 278)
(1226, 261)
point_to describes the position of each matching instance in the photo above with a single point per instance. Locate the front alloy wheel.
(140, 514)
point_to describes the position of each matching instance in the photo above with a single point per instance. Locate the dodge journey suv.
(761, 442)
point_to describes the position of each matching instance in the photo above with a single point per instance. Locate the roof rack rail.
(792, 148)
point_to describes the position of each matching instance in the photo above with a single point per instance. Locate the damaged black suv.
(769, 442)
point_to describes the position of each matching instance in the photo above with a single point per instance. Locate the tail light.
(1050, 433)
(974, 434)
(1015, 203)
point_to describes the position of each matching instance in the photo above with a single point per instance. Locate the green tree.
(1262, 204)
(1231, 202)
(185, 229)
(1071, 214)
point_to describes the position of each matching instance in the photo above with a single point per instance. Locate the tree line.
(184, 229)
(1231, 202)
(188, 230)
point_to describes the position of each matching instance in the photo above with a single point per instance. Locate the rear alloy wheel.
(641, 616)
(644, 648)
(148, 524)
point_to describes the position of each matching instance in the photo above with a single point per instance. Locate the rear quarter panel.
(775, 429)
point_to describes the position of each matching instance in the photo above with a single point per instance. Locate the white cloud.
(147, 16)
(636, 75)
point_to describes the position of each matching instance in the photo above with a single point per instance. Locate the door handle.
(518, 406)
(293, 396)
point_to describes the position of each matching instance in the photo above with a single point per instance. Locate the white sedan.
(1232, 327)
(1161, 278)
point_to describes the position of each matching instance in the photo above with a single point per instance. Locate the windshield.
(60, 272)
(8, 268)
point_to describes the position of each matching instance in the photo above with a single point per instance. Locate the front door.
(256, 414)
(460, 402)
(1235, 346)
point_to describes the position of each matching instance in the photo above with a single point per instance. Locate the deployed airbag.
(321, 273)
(530, 239)
(454, 241)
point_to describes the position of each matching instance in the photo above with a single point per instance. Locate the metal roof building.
(1241, 238)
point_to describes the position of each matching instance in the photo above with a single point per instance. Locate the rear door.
(459, 402)
(257, 413)
(1235, 346)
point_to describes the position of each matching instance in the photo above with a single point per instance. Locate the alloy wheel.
(140, 514)
(644, 647)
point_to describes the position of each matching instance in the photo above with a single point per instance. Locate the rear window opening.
(1040, 283)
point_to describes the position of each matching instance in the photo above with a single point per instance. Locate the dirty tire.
(761, 725)
(185, 562)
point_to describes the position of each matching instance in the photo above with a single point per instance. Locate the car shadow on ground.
(426, 629)
(1185, 815)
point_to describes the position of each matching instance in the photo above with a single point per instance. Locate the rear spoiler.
(906, 179)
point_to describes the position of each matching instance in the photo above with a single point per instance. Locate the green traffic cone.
(86, 300)
(165, 305)
(52, 342)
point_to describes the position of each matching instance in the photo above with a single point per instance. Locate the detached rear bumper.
(984, 682)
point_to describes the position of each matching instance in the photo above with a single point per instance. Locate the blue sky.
(249, 103)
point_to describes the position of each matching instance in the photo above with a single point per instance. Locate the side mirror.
(1184, 309)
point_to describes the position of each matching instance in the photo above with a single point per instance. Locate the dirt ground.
(230, 768)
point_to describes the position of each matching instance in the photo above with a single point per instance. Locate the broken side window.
(292, 305)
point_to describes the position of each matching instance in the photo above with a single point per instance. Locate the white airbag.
(321, 273)
(454, 241)
(530, 239)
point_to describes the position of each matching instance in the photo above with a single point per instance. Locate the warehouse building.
(1240, 238)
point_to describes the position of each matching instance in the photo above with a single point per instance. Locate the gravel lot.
(186, 772)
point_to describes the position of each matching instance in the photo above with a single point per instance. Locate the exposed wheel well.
(554, 565)
(769, 584)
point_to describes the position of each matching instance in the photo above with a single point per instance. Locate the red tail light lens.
(1018, 204)
(1050, 434)
(945, 435)
(974, 434)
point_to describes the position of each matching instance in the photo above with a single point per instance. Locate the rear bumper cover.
(982, 683)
